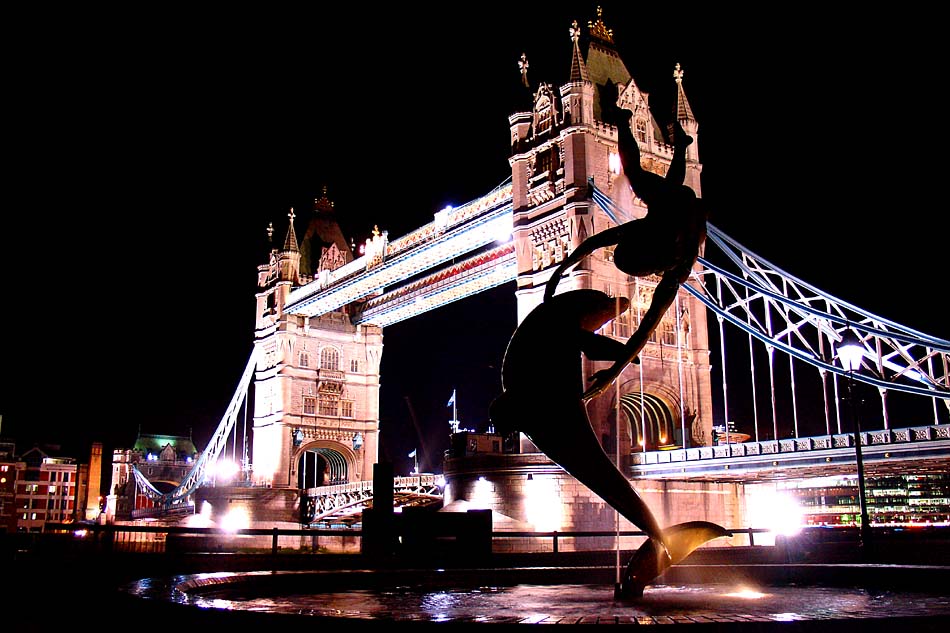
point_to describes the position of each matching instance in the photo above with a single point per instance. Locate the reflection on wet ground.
(304, 595)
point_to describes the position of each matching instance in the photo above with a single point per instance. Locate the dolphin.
(542, 384)
(646, 564)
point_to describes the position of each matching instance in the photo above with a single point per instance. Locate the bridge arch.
(322, 463)
(651, 415)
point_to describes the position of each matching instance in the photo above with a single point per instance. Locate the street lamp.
(851, 351)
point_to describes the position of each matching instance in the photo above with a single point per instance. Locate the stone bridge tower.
(559, 145)
(316, 391)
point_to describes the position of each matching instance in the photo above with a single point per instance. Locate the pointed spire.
(599, 30)
(290, 244)
(578, 66)
(322, 203)
(683, 111)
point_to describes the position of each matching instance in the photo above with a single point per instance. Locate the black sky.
(147, 153)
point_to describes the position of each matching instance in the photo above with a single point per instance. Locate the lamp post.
(850, 351)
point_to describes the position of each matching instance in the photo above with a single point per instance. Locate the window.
(304, 359)
(641, 130)
(329, 358)
(354, 365)
(328, 405)
(622, 325)
(52, 490)
(346, 409)
(669, 333)
(309, 405)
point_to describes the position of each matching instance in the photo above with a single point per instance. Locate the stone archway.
(323, 463)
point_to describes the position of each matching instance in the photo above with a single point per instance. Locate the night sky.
(147, 157)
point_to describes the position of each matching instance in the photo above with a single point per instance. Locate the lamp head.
(850, 350)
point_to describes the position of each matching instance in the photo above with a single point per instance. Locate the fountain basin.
(724, 597)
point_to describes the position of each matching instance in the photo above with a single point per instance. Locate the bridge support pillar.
(379, 530)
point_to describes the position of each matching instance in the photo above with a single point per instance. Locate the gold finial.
(523, 65)
(598, 30)
(270, 231)
(678, 73)
(291, 214)
(575, 31)
(375, 230)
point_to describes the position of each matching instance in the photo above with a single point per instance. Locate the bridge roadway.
(920, 450)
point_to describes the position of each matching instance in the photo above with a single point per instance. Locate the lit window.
(309, 405)
(329, 358)
(329, 405)
(641, 126)
(669, 333)
(52, 490)
(622, 325)
(4, 468)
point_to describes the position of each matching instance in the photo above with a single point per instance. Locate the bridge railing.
(416, 482)
(907, 436)
(130, 538)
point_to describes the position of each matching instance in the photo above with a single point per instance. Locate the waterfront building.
(45, 490)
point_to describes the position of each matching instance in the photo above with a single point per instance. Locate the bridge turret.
(683, 114)
(289, 257)
(559, 149)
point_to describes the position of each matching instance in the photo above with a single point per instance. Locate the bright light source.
(236, 519)
(613, 163)
(850, 350)
(774, 510)
(542, 504)
(482, 493)
(746, 594)
(223, 470)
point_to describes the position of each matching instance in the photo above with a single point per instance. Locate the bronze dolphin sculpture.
(541, 395)
(666, 242)
(646, 564)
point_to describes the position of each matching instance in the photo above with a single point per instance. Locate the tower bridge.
(322, 308)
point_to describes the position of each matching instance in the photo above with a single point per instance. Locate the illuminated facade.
(316, 404)
(558, 147)
(165, 460)
(8, 475)
(45, 490)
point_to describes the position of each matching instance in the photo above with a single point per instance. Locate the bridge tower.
(316, 389)
(559, 145)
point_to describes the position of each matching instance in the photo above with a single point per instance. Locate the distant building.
(165, 460)
(8, 475)
(45, 490)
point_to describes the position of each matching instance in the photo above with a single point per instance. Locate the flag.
(413, 453)
(451, 400)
